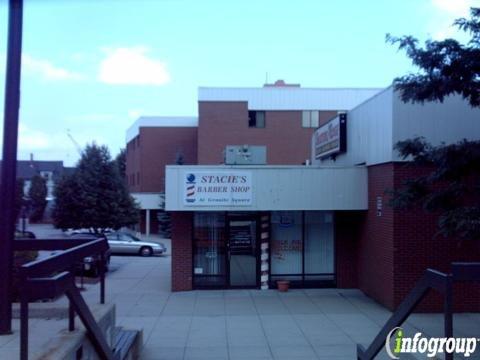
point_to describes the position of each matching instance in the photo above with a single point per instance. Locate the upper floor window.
(47, 175)
(256, 119)
(310, 119)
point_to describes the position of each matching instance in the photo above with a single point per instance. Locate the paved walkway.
(244, 324)
(253, 324)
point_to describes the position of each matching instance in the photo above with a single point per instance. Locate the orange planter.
(283, 285)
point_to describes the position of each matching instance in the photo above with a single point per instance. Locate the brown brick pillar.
(182, 223)
(347, 233)
(375, 259)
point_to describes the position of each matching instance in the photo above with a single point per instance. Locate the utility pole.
(9, 163)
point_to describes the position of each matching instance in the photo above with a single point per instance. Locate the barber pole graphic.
(190, 188)
(264, 254)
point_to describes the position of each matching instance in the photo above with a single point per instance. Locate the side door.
(243, 252)
(116, 245)
(129, 244)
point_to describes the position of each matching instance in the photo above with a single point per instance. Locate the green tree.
(37, 194)
(444, 67)
(121, 162)
(450, 186)
(94, 196)
(19, 197)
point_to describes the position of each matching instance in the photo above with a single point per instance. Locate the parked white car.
(124, 243)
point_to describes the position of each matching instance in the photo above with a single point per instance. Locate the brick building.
(152, 143)
(284, 182)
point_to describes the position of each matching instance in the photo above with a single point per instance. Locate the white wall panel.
(375, 126)
(291, 98)
(448, 122)
(282, 188)
(369, 133)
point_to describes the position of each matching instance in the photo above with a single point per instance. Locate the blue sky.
(92, 67)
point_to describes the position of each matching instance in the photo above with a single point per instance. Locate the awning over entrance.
(258, 188)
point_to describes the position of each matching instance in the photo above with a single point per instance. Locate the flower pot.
(283, 285)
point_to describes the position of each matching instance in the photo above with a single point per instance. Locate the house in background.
(51, 171)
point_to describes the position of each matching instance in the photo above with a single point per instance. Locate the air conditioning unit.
(245, 155)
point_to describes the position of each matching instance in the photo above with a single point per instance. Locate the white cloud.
(32, 139)
(47, 70)
(54, 145)
(134, 114)
(453, 7)
(444, 13)
(132, 66)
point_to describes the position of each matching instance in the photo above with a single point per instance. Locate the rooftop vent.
(281, 83)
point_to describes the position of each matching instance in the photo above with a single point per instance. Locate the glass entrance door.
(242, 247)
(209, 257)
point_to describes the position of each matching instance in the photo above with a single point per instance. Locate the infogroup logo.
(397, 343)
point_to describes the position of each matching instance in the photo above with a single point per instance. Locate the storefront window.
(209, 249)
(319, 245)
(286, 244)
(302, 246)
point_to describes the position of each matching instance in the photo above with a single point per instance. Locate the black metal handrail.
(27, 244)
(431, 279)
(54, 276)
(63, 260)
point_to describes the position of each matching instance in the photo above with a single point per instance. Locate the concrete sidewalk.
(240, 324)
(253, 324)
(237, 324)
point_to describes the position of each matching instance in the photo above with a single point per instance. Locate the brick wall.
(182, 223)
(226, 123)
(417, 247)
(347, 228)
(160, 146)
(132, 160)
(375, 243)
(154, 148)
(394, 249)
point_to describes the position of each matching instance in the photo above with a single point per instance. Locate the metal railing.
(430, 280)
(54, 276)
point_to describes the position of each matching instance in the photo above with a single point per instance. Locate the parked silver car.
(125, 243)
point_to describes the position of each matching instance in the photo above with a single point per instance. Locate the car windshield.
(127, 237)
(135, 238)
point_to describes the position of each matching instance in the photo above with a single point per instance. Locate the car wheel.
(146, 251)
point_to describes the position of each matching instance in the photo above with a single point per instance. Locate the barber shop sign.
(218, 188)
